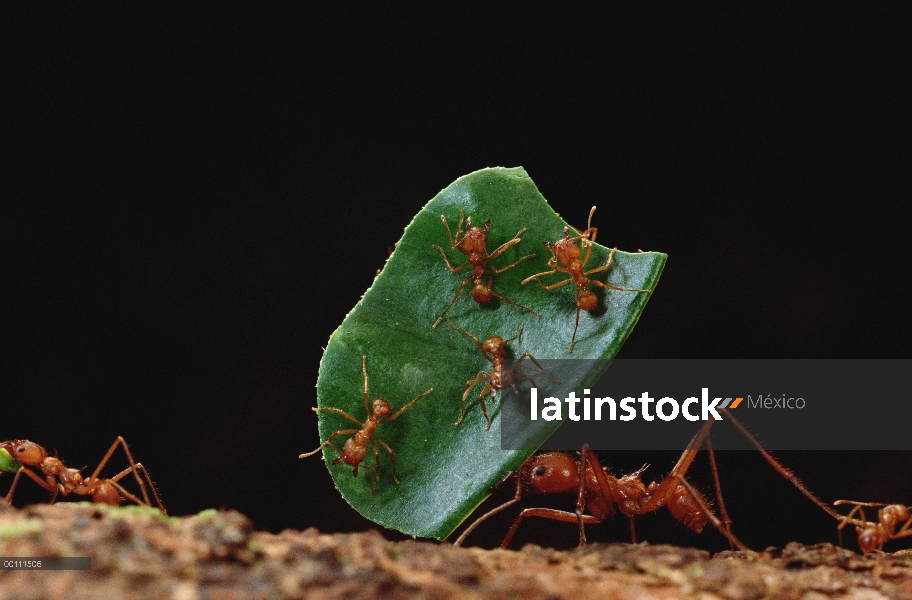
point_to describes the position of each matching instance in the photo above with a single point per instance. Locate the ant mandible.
(558, 472)
(600, 492)
(501, 376)
(355, 448)
(60, 479)
(565, 258)
(474, 244)
(875, 535)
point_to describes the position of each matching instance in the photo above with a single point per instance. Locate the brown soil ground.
(217, 555)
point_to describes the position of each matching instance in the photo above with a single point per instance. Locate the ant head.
(481, 293)
(586, 300)
(896, 512)
(475, 240)
(565, 251)
(26, 452)
(381, 408)
(550, 473)
(494, 345)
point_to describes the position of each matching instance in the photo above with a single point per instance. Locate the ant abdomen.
(586, 300)
(481, 293)
(686, 510)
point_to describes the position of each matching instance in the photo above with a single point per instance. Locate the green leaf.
(8, 464)
(447, 471)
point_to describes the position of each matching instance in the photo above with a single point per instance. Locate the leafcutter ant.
(63, 480)
(474, 244)
(501, 376)
(565, 258)
(355, 449)
(602, 494)
(875, 535)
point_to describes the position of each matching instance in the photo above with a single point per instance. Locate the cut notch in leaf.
(446, 471)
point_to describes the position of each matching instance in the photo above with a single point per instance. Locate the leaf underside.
(447, 471)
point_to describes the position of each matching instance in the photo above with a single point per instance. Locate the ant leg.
(575, 327)
(715, 472)
(614, 287)
(151, 486)
(547, 287)
(546, 513)
(604, 266)
(780, 468)
(329, 443)
(123, 492)
(845, 521)
(47, 486)
(510, 266)
(447, 261)
(406, 407)
(608, 489)
(107, 457)
(505, 299)
(669, 484)
(484, 408)
(471, 337)
(392, 457)
(585, 462)
(469, 386)
(511, 242)
(698, 498)
(455, 244)
(516, 497)
(449, 233)
(541, 369)
(518, 333)
(452, 302)
(338, 411)
(376, 476)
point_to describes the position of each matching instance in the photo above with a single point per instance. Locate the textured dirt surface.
(217, 555)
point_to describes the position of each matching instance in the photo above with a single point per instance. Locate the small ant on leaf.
(875, 535)
(501, 376)
(355, 449)
(63, 480)
(565, 258)
(474, 244)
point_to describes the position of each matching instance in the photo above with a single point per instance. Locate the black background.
(192, 201)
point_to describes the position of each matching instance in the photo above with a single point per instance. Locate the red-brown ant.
(355, 448)
(600, 492)
(501, 376)
(474, 244)
(597, 490)
(565, 258)
(875, 535)
(60, 479)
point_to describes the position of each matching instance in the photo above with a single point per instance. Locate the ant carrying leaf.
(60, 479)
